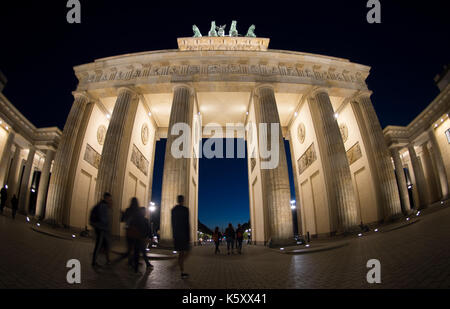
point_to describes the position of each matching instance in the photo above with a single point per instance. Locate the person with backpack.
(239, 238)
(100, 220)
(216, 236)
(230, 237)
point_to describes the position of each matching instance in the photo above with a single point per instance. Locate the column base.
(277, 243)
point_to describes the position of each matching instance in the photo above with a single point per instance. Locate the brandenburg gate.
(342, 167)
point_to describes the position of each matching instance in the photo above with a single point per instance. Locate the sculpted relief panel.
(308, 158)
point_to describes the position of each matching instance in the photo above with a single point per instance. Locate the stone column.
(338, 179)
(12, 176)
(430, 176)
(401, 180)
(54, 211)
(443, 181)
(111, 172)
(24, 186)
(386, 184)
(5, 158)
(419, 175)
(43, 183)
(176, 170)
(275, 180)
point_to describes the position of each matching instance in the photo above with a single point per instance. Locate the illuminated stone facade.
(342, 166)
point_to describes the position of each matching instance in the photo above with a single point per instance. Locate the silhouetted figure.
(99, 219)
(3, 198)
(14, 206)
(364, 227)
(126, 217)
(139, 230)
(181, 232)
(216, 236)
(239, 238)
(230, 237)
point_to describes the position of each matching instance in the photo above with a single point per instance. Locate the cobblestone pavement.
(416, 256)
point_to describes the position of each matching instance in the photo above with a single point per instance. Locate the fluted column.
(275, 180)
(443, 181)
(43, 183)
(419, 175)
(401, 179)
(297, 191)
(176, 170)
(24, 186)
(12, 176)
(338, 180)
(111, 172)
(5, 158)
(387, 184)
(430, 176)
(54, 210)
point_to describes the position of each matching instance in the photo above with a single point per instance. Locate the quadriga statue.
(197, 33)
(233, 30)
(251, 32)
(212, 31)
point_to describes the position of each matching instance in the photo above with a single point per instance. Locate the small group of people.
(4, 199)
(232, 237)
(138, 231)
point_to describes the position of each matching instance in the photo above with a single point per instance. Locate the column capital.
(316, 90)
(186, 86)
(81, 94)
(263, 86)
(362, 94)
(131, 90)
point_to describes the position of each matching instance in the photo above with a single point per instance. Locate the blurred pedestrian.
(126, 218)
(239, 238)
(3, 198)
(138, 232)
(100, 220)
(181, 232)
(216, 236)
(230, 238)
(14, 206)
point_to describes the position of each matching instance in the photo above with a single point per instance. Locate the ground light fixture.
(359, 235)
(28, 219)
(376, 230)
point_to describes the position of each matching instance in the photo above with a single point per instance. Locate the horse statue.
(212, 31)
(233, 30)
(221, 30)
(251, 32)
(197, 33)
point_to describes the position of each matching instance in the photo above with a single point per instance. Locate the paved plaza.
(415, 256)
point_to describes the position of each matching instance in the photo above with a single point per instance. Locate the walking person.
(239, 238)
(14, 206)
(3, 198)
(100, 220)
(181, 232)
(127, 217)
(139, 231)
(216, 236)
(230, 237)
